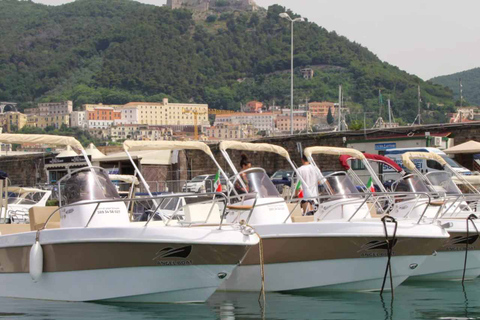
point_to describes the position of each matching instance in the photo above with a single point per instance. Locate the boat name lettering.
(375, 254)
(175, 263)
(459, 248)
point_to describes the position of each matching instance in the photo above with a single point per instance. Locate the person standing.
(311, 177)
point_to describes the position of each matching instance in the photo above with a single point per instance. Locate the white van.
(424, 166)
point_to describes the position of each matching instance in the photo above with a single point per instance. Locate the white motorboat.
(444, 203)
(18, 200)
(95, 253)
(342, 247)
(459, 257)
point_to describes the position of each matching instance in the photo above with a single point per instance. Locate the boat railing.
(373, 199)
(457, 204)
(216, 197)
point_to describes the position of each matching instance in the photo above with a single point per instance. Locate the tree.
(329, 116)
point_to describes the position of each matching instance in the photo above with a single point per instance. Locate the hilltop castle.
(217, 5)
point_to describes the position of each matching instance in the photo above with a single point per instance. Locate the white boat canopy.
(334, 151)
(124, 178)
(246, 146)
(40, 139)
(130, 145)
(408, 156)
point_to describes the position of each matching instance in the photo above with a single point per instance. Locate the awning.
(467, 147)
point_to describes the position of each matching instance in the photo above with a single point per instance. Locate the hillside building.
(217, 5)
(230, 131)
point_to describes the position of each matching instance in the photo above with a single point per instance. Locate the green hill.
(115, 51)
(470, 83)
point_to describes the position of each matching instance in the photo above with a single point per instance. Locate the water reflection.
(442, 300)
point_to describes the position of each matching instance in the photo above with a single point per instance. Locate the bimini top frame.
(130, 145)
(408, 163)
(257, 147)
(44, 139)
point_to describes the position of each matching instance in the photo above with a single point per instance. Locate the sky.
(424, 37)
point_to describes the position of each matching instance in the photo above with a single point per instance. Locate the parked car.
(203, 183)
(282, 177)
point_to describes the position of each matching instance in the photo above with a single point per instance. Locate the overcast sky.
(423, 37)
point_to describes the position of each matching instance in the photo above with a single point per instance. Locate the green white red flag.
(217, 184)
(370, 185)
(299, 189)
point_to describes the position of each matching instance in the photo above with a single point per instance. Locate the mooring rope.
(470, 218)
(262, 295)
(390, 244)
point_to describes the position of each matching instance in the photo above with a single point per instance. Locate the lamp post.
(285, 15)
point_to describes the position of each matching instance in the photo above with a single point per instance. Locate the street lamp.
(285, 15)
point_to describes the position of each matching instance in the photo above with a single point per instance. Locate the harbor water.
(426, 300)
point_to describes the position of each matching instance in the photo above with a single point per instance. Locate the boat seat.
(302, 219)
(239, 207)
(14, 228)
(437, 203)
(39, 215)
(297, 214)
(373, 211)
(198, 213)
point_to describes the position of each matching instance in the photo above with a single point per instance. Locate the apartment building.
(231, 131)
(320, 109)
(101, 117)
(129, 115)
(300, 123)
(138, 132)
(53, 108)
(165, 113)
(91, 107)
(260, 121)
(78, 119)
(12, 121)
(56, 121)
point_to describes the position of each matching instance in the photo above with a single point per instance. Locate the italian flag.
(370, 186)
(217, 184)
(299, 189)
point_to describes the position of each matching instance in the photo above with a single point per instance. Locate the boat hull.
(448, 261)
(164, 264)
(354, 259)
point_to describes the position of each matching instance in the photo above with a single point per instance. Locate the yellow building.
(53, 121)
(12, 121)
(165, 113)
(32, 120)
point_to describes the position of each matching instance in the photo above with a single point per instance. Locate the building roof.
(92, 151)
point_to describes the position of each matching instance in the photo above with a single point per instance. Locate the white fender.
(36, 261)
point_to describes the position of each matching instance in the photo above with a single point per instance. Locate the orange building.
(104, 113)
(254, 106)
(321, 108)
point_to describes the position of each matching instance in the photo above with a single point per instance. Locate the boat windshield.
(442, 182)
(259, 182)
(88, 184)
(410, 183)
(338, 183)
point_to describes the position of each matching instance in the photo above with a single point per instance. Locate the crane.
(195, 119)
